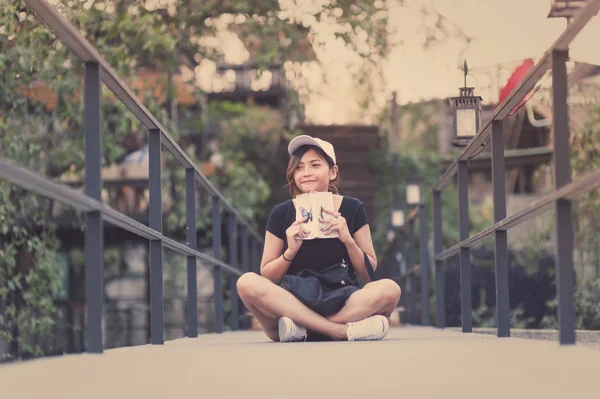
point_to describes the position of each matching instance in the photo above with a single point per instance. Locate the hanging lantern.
(413, 191)
(397, 218)
(467, 114)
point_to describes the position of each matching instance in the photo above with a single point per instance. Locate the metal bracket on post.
(465, 253)
(217, 272)
(191, 238)
(440, 282)
(564, 213)
(156, 246)
(501, 237)
(232, 252)
(94, 228)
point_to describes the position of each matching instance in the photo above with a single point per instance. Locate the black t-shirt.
(319, 253)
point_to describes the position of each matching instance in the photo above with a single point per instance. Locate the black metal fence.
(97, 71)
(560, 200)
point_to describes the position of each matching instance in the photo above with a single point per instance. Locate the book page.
(324, 201)
(312, 206)
(304, 209)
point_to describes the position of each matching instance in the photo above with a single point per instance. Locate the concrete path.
(411, 362)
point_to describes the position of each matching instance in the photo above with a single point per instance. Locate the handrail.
(582, 185)
(35, 182)
(412, 271)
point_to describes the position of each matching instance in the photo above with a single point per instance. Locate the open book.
(312, 205)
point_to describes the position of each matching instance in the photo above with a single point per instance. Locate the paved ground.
(411, 362)
(584, 337)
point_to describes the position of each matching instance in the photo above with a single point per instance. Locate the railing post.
(217, 272)
(424, 263)
(192, 279)
(233, 261)
(251, 255)
(244, 249)
(254, 262)
(94, 229)
(465, 253)
(564, 213)
(501, 238)
(412, 289)
(156, 246)
(440, 282)
(259, 252)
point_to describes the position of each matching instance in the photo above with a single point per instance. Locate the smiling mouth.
(310, 181)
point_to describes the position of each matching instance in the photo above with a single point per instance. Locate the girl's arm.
(272, 265)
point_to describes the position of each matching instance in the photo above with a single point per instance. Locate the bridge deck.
(411, 362)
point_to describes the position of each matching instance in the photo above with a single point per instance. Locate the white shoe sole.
(283, 327)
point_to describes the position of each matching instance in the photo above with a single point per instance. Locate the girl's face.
(313, 173)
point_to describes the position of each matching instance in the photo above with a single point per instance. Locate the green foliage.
(413, 160)
(533, 250)
(485, 317)
(418, 155)
(29, 277)
(253, 143)
(587, 307)
(585, 157)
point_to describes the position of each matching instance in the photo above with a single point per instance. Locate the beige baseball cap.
(299, 141)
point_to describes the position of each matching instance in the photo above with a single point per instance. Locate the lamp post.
(397, 223)
(467, 113)
(397, 219)
(394, 145)
(414, 198)
(413, 191)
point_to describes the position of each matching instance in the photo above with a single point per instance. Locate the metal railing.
(97, 71)
(554, 59)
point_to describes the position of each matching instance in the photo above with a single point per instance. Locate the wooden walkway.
(411, 362)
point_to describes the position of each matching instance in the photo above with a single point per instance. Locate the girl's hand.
(337, 223)
(295, 235)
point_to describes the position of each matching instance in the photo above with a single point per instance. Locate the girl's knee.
(250, 285)
(247, 284)
(390, 292)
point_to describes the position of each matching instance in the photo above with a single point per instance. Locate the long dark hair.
(295, 160)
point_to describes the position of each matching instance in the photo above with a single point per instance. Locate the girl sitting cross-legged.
(307, 289)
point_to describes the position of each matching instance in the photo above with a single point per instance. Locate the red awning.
(518, 74)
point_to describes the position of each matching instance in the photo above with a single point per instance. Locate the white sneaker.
(290, 331)
(370, 329)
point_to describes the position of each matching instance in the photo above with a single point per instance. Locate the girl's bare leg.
(268, 302)
(377, 297)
